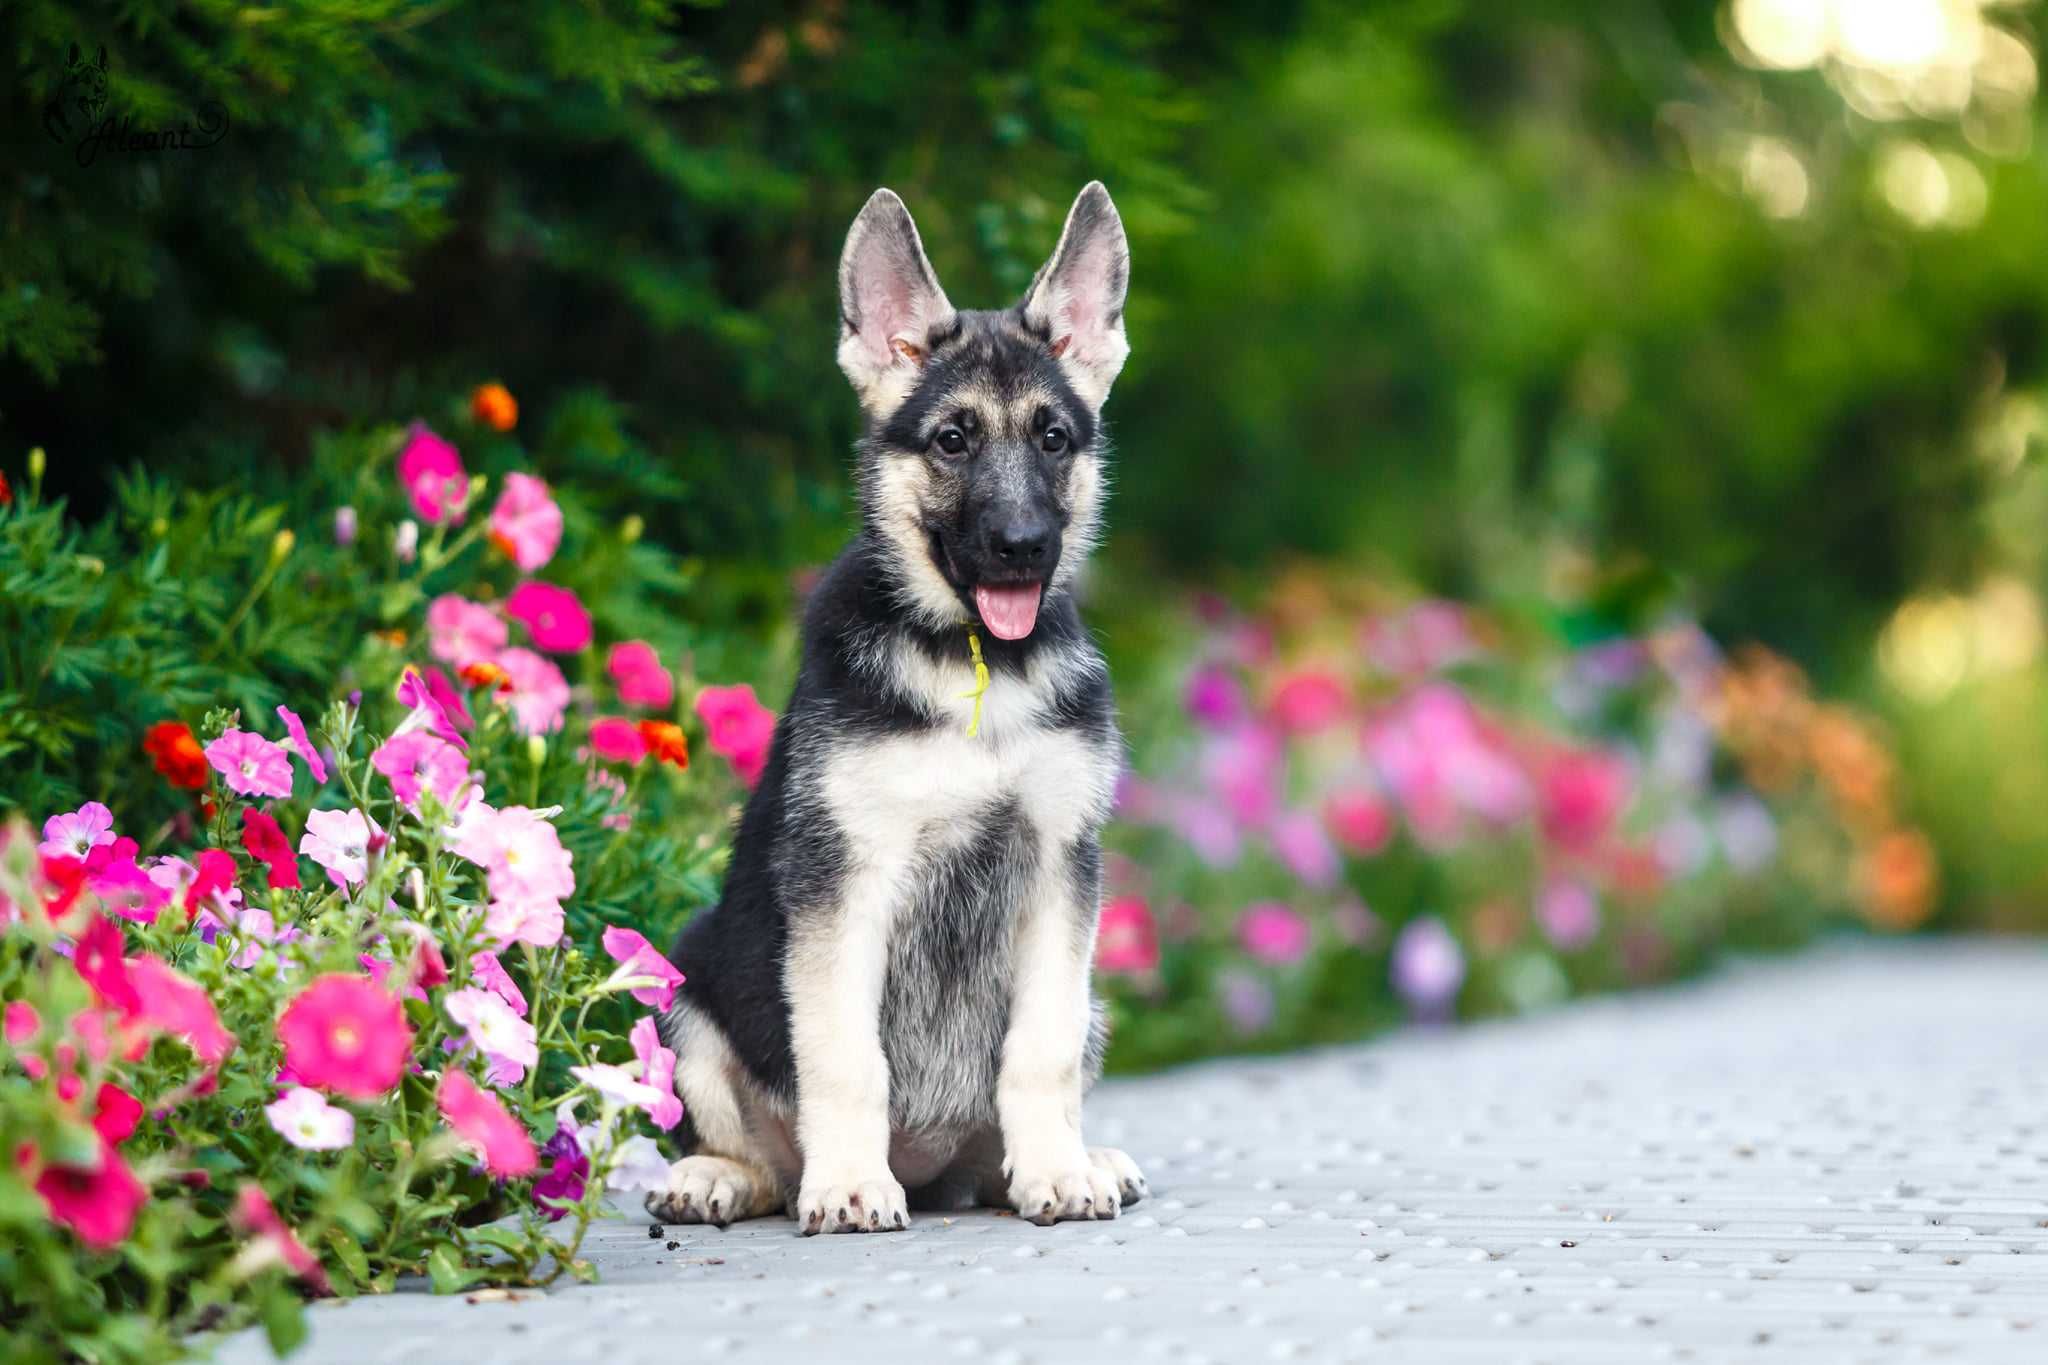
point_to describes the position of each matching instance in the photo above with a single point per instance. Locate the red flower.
(102, 967)
(552, 616)
(115, 1113)
(254, 1214)
(266, 843)
(175, 750)
(97, 1202)
(6, 490)
(216, 874)
(481, 1120)
(666, 741)
(345, 1035)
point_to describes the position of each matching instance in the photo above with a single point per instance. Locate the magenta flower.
(1126, 940)
(1275, 934)
(1215, 698)
(250, 764)
(657, 1069)
(1308, 702)
(417, 762)
(739, 727)
(539, 693)
(1427, 967)
(265, 840)
(1583, 793)
(526, 523)
(552, 616)
(1569, 913)
(295, 736)
(641, 680)
(617, 740)
(567, 1175)
(434, 479)
(428, 708)
(125, 888)
(460, 632)
(638, 957)
(77, 834)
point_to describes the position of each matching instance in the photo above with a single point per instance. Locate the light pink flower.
(638, 957)
(641, 680)
(617, 1084)
(1244, 770)
(305, 1119)
(1569, 913)
(1275, 934)
(434, 479)
(490, 973)
(418, 762)
(508, 1042)
(339, 840)
(538, 922)
(251, 764)
(460, 632)
(295, 735)
(539, 692)
(658, 1070)
(1300, 843)
(739, 727)
(77, 834)
(552, 616)
(526, 523)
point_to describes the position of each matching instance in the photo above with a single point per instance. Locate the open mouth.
(1009, 610)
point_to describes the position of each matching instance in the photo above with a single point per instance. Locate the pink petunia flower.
(1582, 794)
(552, 616)
(637, 957)
(739, 727)
(307, 1121)
(427, 709)
(525, 866)
(1359, 820)
(508, 1042)
(345, 1035)
(251, 765)
(490, 973)
(98, 958)
(213, 882)
(460, 632)
(1126, 940)
(658, 1070)
(1568, 912)
(417, 762)
(1309, 701)
(254, 1214)
(177, 1007)
(295, 735)
(441, 690)
(642, 681)
(266, 843)
(98, 1202)
(258, 934)
(432, 472)
(1299, 842)
(339, 840)
(77, 834)
(477, 1116)
(1275, 934)
(123, 887)
(526, 523)
(617, 740)
(539, 693)
(517, 920)
(1215, 698)
(618, 1085)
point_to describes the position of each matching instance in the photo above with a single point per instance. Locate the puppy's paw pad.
(1063, 1196)
(702, 1189)
(1130, 1181)
(874, 1205)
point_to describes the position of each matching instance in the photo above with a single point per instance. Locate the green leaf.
(284, 1319)
(448, 1274)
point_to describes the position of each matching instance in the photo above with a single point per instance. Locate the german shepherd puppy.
(892, 995)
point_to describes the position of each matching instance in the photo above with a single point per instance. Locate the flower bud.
(536, 749)
(344, 526)
(38, 461)
(405, 542)
(281, 545)
(632, 528)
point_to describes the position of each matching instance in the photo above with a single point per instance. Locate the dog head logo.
(81, 99)
(982, 470)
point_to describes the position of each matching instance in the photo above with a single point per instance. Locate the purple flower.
(568, 1171)
(1428, 966)
(1246, 1000)
(344, 526)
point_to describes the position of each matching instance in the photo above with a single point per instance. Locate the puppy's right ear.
(889, 303)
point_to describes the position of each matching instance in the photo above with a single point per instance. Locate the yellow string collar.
(980, 681)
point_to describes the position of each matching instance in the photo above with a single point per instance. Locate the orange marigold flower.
(395, 637)
(494, 406)
(175, 750)
(484, 673)
(666, 742)
(1899, 879)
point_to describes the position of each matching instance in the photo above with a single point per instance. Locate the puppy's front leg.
(838, 959)
(1051, 1174)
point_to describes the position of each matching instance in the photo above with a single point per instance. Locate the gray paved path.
(1842, 1157)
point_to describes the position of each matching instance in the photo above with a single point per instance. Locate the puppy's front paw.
(706, 1189)
(1130, 1181)
(1048, 1197)
(875, 1205)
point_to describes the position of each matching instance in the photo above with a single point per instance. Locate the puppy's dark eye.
(952, 441)
(1054, 440)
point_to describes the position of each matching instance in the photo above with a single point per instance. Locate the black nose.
(1023, 544)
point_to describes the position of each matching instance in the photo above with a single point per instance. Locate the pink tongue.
(1009, 613)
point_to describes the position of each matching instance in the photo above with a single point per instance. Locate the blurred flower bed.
(1374, 807)
(315, 992)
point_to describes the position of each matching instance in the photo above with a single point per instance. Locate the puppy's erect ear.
(889, 303)
(1078, 296)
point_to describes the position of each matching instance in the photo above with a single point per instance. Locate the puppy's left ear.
(1078, 297)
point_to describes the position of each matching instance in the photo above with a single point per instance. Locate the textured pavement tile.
(1843, 1157)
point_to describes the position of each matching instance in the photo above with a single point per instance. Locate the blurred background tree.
(1601, 306)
